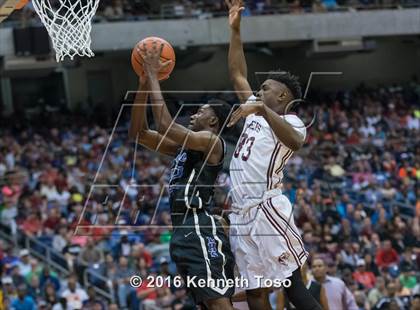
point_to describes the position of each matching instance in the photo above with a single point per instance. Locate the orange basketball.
(168, 53)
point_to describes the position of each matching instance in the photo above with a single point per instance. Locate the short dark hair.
(222, 109)
(288, 79)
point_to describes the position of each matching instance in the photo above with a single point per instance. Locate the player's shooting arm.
(138, 121)
(200, 141)
(203, 141)
(139, 129)
(236, 59)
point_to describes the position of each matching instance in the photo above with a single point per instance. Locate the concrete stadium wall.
(270, 28)
(394, 60)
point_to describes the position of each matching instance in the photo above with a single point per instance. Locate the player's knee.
(258, 293)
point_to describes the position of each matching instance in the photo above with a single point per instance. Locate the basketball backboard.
(8, 6)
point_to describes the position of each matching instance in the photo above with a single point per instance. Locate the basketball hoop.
(69, 24)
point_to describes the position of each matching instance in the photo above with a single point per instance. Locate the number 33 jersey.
(259, 159)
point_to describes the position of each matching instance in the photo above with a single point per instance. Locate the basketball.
(168, 53)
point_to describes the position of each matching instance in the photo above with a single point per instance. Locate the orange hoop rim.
(21, 4)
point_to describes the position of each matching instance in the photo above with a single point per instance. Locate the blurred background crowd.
(124, 10)
(354, 187)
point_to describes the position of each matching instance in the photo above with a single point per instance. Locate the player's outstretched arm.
(203, 141)
(139, 129)
(236, 59)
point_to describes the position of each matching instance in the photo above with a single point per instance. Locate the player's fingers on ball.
(166, 63)
(149, 51)
(142, 51)
(161, 48)
(157, 50)
(228, 4)
(141, 48)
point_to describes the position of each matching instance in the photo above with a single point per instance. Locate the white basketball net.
(69, 24)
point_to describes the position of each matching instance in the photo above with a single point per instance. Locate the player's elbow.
(163, 125)
(295, 144)
(136, 135)
(162, 129)
(236, 77)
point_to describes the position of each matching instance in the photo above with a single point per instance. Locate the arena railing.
(50, 257)
(99, 283)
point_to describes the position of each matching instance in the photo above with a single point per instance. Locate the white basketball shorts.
(266, 242)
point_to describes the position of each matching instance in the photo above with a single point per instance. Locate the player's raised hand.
(254, 107)
(235, 9)
(151, 57)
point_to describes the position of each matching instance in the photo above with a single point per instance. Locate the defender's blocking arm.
(284, 131)
(236, 59)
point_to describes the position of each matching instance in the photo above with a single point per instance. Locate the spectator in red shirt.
(366, 278)
(386, 256)
(32, 226)
(53, 220)
(141, 251)
(153, 297)
(146, 291)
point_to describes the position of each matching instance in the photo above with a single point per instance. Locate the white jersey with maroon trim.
(259, 159)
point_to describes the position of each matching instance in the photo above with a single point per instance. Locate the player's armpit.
(157, 142)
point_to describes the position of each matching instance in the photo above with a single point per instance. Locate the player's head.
(211, 116)
(279, 89)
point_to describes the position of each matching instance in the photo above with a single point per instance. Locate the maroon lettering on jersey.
(255, 126)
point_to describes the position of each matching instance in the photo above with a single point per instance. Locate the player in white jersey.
(264, 238)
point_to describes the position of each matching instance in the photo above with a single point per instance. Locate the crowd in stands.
(354, 187)
(125, 10)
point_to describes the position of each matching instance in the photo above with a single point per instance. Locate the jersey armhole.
(223, 155)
